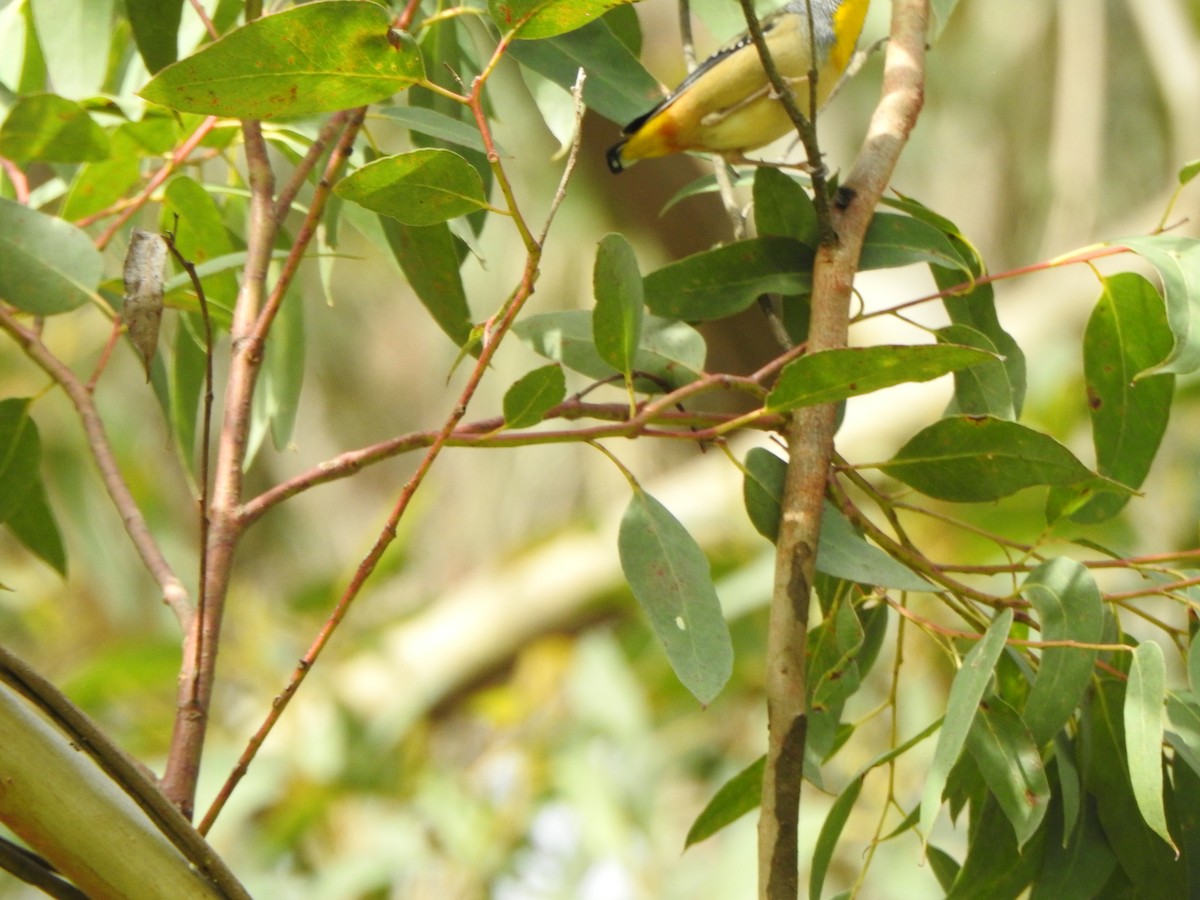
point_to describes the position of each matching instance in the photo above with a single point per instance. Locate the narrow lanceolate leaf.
(984, 389)
(534, 394)
(1069, 608)
(1144, 735)
(19, 453)
(782, 207)
(47, 266)
(617, 318)
(1177, 260)
(1126, 334)
(736, 797)
(827, 840)
(548, 18)
(980, 458)
(892, 241)
(429, 259)
(46, 128)
(1011, 764)
(423, 187)
(961, 708)
(33, 524)
(1183, 709)
(155, 25)
(75, 39)
(833, 375)
(670, 578)
(718, 283)
(1193, 663)
(310, 59)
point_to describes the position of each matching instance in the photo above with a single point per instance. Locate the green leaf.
(968, 459)
(1189, 171)
(618, 86)
(1177, 260)
(782, 207)
(200, 237)
(718, 283)
(533, 19)
(944, 866)
(994, 868)
(617, 318)
(185, 386)
(310, 59)
(283, 369)
(832, 375)
(1077, 865)
(831, 830)
(429, 259)
(47, 266)
(1126, 334)
(670, 578)
(155, 25)
(98, 185)
(961, 708)
(892, 241)
(20, 450)
(422, 187)
(983, 389)
(671, 353)
(977, 308)
(438, 125)
(48, 128)
(534, 394)
(1193, 662)
(1183, 709)
(75, 38)
(736, 797)
(1069, 608)
(33, 524)
(1010, 763)
(841, 552)
(1144, 857)
(1143, 713)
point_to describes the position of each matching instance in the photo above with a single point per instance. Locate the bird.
(728, 106)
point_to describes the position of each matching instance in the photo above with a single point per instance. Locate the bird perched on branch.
(727, 105)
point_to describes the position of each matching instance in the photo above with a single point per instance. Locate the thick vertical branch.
(810, 450)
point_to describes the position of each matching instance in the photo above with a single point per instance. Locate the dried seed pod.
(142, 310)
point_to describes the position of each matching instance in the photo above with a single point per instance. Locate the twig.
(174, 594)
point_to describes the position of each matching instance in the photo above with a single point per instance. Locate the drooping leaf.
(201, 237)
(671, 353)
(34, 525)
(995, 869)
(67, 31)
(1069, 608)
(1011, 764)
(1126, 334)
(736, 797)
(533, 19)
(617, 317)
(841, 552)
(833, 375)
(430, 261)
(979, 458)
(983, 389)
(1078, 864)
(1143, 715)
(669, 575)
(155, 25)
(52, 129)
(422, 187)
(20, 450)
(1177, 260)
(438, 125)
(533, 395)
(315, 58)
(831, 831)
(47, 266)
(618, 86)
(718, 283)
(961, 708)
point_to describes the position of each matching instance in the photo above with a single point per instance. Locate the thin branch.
(174, 594)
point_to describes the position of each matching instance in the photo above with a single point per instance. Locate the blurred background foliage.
(494, 717)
